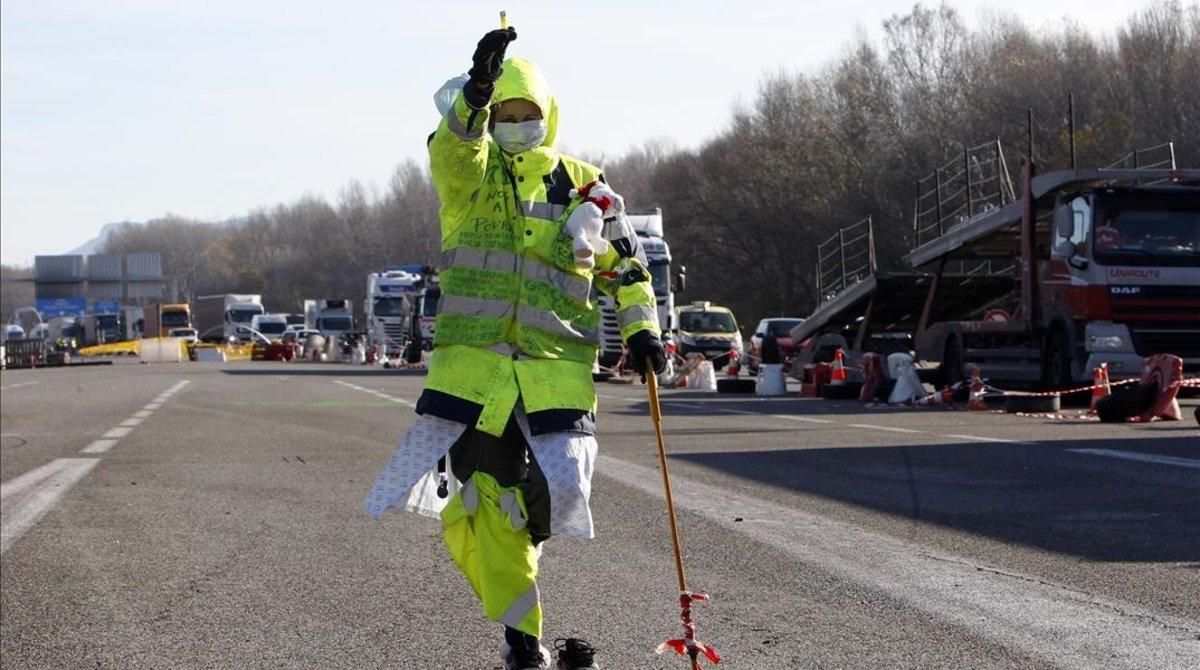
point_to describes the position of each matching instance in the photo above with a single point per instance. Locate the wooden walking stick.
(687, 645)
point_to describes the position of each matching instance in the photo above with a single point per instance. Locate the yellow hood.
(522, 79)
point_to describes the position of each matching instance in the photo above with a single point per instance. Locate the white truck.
(228, 311)
(389, 309)
(331, 317)
(400, 299)
(270, 325)
(648, 224)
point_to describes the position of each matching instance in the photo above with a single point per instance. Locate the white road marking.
(118, 432)
(17, 386)
(143, 414)
(100, 446)
(1065, 627)
(152, 406)
(26, 499)
(130, 423)
(378, 394)
(890, 429)
(1145, 458)
(978, 438)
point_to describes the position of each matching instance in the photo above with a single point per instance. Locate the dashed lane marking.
(890, 429)
(100, 446)
(1176, 461)
(114, 435)
(17, 386)
(377, 394)
(1065, 627)
(26, 499)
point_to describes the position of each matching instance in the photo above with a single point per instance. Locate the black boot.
(523, 652)
(575, 654)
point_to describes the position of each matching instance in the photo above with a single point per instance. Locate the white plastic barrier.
(162, 350)
(210, 355)
(703, 377)
(908, 384)
(770, 380)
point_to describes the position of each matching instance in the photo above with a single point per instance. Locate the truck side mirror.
(680, 280)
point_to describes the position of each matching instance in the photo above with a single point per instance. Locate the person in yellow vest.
(509, 402)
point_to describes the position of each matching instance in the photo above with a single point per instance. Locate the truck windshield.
(241, 315)
(707, 322)
(174, 319)
(782, 327)
(660, 278)
(1148, 232)
(431, 303)
(338, 323)
(388, 306)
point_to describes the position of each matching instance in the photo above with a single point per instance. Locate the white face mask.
(517, 137)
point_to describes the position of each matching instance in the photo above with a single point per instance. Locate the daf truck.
(648, 224)
(1108, 271)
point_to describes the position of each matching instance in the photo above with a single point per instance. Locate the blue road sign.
(106, 307)
(51, 307)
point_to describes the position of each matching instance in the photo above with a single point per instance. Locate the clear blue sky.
(117, 111)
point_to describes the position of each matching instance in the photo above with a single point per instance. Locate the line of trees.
(811, 153)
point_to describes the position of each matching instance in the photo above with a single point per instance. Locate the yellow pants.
(485, 529)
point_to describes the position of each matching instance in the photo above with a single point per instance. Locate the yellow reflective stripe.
(469, 495)
(573, 285)
(479, 259)
(548, 321)
(467, 306)
(570, 284)
(635, 314)
(459, 127)
(520, 607)
(544, 210)
(510, 506)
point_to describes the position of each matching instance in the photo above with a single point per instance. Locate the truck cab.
(1123, 277)
(272, 326)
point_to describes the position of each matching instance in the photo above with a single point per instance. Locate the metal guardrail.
(24, 353)
(846, 258)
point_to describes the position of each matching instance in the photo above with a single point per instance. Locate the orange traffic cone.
(976, 401)
(1100, 387)
(838, 375)
(734, 367)
(943, 397)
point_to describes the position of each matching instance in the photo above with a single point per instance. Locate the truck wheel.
(951, 369)
(1057, 371)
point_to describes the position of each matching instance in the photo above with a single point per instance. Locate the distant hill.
(96, 244)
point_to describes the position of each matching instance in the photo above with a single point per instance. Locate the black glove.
(489, 54)
(645, 345)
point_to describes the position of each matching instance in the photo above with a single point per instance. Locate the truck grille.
(1183, 342)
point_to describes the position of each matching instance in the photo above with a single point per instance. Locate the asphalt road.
(217, 523)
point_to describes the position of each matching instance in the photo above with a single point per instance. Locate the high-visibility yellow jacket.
(516, 319)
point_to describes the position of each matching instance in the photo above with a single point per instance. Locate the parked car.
(298, 335)
(710, 330)
(188, 334)
(781, 329)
